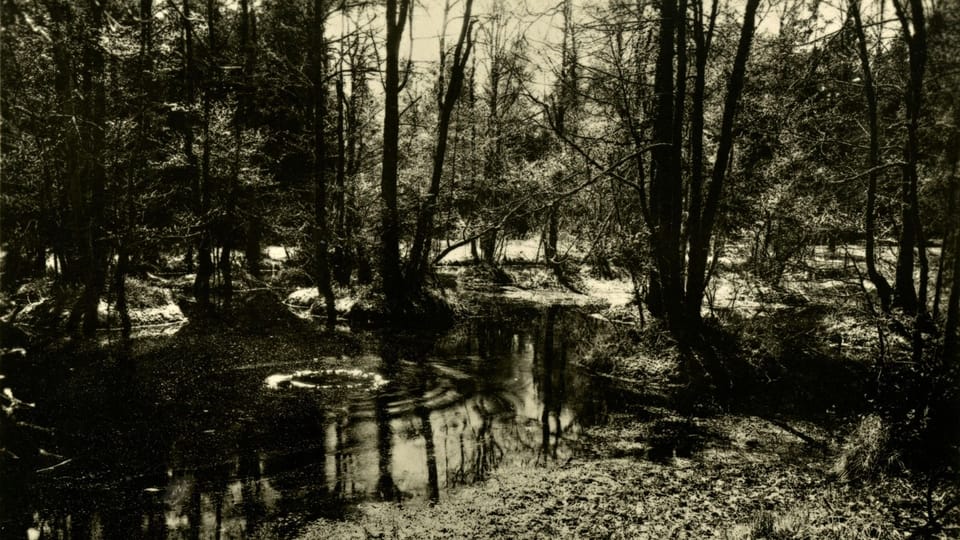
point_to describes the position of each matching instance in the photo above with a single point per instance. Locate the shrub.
(865, 452)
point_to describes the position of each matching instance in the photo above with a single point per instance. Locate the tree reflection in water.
(245, 460)
(487, 451)
(342, 458)
(423, 412)
(248, 464)
(549, 377)
(386, 488)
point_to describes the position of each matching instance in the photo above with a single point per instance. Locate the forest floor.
(748, 479)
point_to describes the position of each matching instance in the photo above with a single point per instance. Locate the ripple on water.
(326, 379)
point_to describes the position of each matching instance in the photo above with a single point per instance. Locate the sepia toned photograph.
(479, 269)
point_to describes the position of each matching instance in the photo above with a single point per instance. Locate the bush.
(866, 452)
(143, 294)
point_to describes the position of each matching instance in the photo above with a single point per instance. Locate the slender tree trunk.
(341, 266)
(70, 200)
(700, 239)
(205, 267)
(550, 238)
(423, 235)
(96, 241)
(873, 161)
(189, 83)
(322, 238)
(702, 39)
(249, 113)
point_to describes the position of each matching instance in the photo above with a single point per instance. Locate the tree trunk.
(664, 292)
(423, 235)
(189, 83)
(913, 27)
(389, 213)
(550, 238)
(700, 239)
(70, 200)
(702, 39)
(873, 161)
(205, 268)
(488, 247)
(319, 61)
(96, 241)
(341, 265)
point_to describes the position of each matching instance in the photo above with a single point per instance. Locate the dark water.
(203, 451)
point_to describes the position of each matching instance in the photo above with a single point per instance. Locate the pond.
(206, 448)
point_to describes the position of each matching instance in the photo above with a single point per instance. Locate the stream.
(207, 451)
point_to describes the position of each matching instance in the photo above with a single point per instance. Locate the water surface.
(207, 451)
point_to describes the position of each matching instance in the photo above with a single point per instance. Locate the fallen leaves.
(728, 491)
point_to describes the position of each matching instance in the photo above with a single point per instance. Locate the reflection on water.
(229, 457)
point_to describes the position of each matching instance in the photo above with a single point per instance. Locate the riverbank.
(748, 478)
(774, 464)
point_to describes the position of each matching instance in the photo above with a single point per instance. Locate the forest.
(480, 269)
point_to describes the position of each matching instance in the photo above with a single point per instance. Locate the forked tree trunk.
(700, 239)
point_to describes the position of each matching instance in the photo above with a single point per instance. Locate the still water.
(240, 452)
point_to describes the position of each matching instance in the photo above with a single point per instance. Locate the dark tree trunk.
(702, 39)
(205, 267)
(550, 238)
(488, 247)
(189, 83)
(423, 235)
(341, 264)
(700, 238)
(70, 200)
(664, 293)
(913, 26)
(884, 290)
(96, 237)
(389, 214)
(322, 239)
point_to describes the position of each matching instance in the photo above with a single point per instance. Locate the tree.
(564, 106)
(913, 27)
(500, 95)
(390, 272)
(680, 248)
(873, 160)
(318, 61)
(446, 100)
(402, 282)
